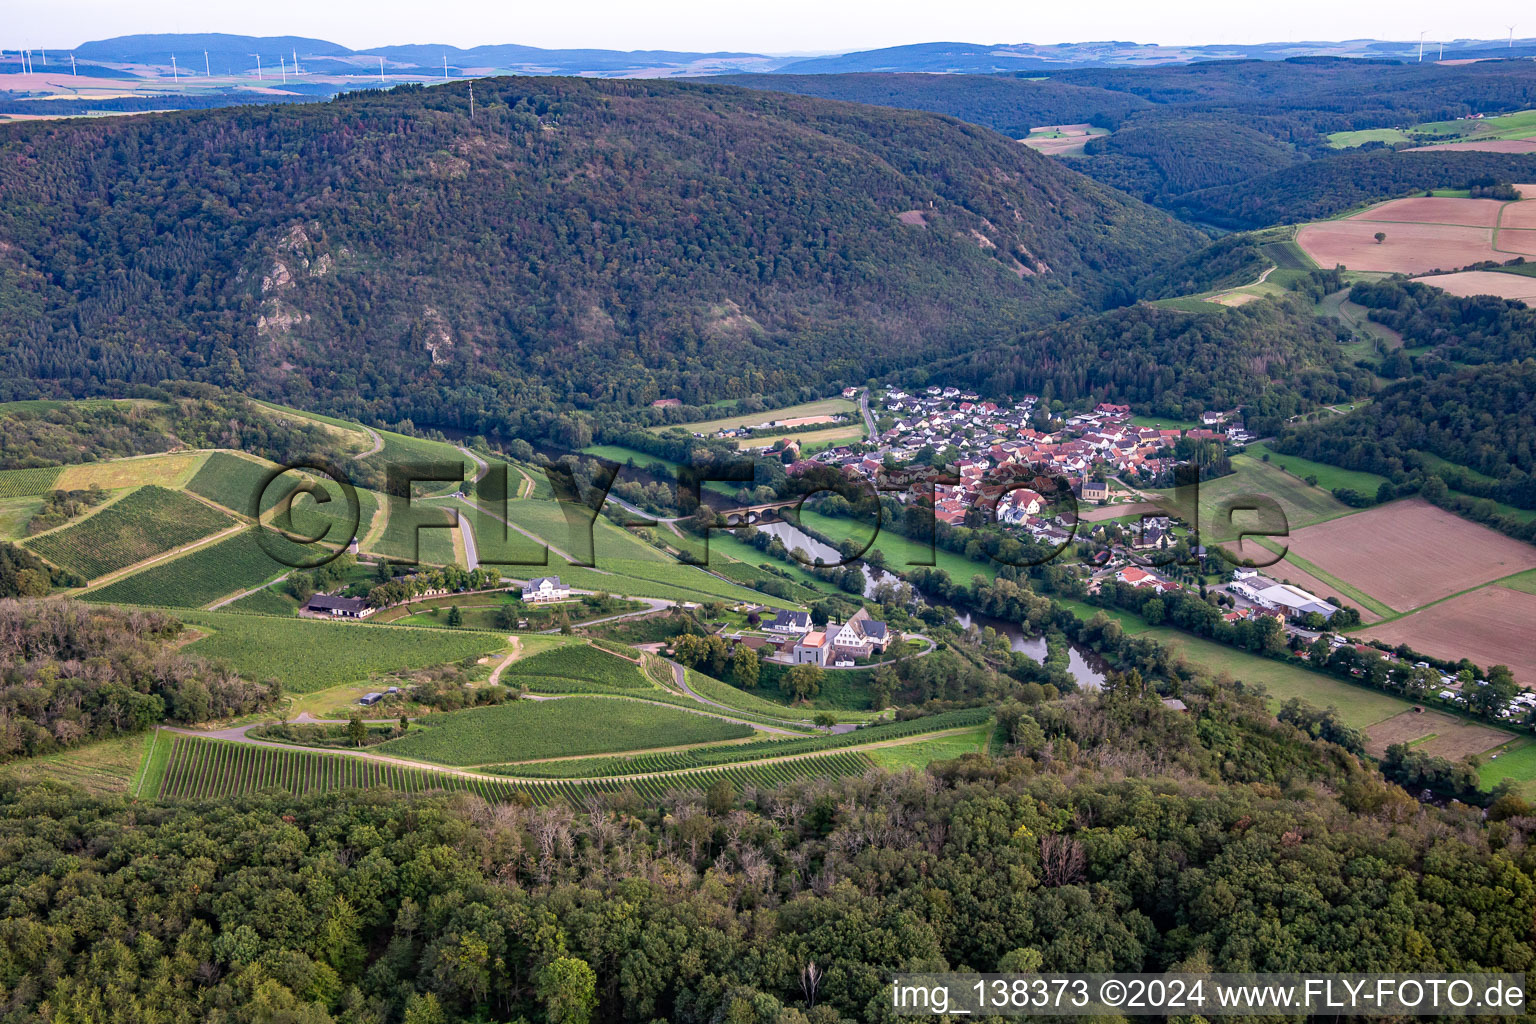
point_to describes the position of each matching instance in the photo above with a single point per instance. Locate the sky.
(780, 26)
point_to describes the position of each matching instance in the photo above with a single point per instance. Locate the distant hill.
(581, 243)
(1180, 129)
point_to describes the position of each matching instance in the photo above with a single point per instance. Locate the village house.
(789, 622)
(545, 588)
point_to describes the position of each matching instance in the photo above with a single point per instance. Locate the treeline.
(1472, 329)
(154, 419)
(1473, 429)
(1273, 358)
(1013, 106)
(494, 275)
(71, 673)
(1323, 187)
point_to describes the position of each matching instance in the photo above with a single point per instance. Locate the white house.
(1266, 593)
(545, 588)
(789, 622)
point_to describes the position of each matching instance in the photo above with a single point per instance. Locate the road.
(869, 419)
(378, 443)
(471, 556)
(526, 533)
(680, 676)
(485, 467)
(244, 593)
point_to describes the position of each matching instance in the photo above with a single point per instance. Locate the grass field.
(583, 663)
(669, 580)
(204, 575)
(1358, 706)
(1329, 478)
(1524, 582)
(744, 700)
(202, 769)
(1516, 763)
(15, 514)
(311, 654)
(162, 470)
(522, 730)
(822, 407)
(810, 441)
(106, 767)
(1347, 140)
(1129, 622)
(1300, 503)
(148, 522)
(940, 748)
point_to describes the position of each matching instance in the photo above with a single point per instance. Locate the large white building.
(1266, 593)
(545, 588)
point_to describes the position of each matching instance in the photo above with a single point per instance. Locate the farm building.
(338, 607)
(789, 622)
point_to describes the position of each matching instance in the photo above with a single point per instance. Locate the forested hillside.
(1480, 421)
(1321, 188)
(1239, 143)
(1271, 358)
(577, 242)
(1118, 836)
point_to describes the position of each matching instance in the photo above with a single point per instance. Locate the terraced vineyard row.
(148, 522)
(736, 753)
(22, 483)
(203, 769)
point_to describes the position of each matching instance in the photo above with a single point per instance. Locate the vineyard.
(230, 480)
(576, 668)
(150, 521)
(524, 730)
(309, 654)
(736, 753)
(736, 699)
(204, 769)
(23, 483)
(204, 575)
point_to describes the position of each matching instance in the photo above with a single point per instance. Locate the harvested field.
(1521, 242)
(1492, 626)
(1408, 248)
(1522, 214)
(1484, 146)
(1486, 282)
(1286, 571)
(1409, 553)
(1449, 737)
(1099, 513)
(1477, 213)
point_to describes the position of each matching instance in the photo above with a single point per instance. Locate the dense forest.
(1273, 358)
(71, 673)
(1237, 143)
(1118, 835)
(1159, 160)
(1324, 187)
(577, 243)
(1482, 421)
(1476, 329)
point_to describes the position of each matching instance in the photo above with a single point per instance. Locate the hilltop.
(577, 243)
